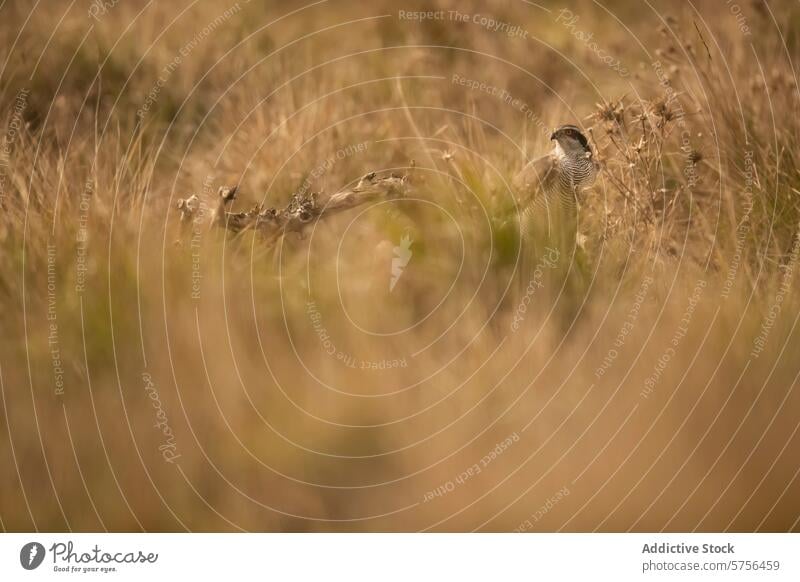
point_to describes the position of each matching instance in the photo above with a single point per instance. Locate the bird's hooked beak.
(553, 135)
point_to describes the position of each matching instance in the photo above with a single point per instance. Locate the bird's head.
(571, 141)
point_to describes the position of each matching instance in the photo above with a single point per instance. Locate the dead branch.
(301, 210)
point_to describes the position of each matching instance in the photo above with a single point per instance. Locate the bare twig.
(272, 223)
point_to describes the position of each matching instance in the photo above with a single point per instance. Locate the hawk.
(560, 175)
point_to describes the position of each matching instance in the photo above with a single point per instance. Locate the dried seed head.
(663, 113)
(612, 112)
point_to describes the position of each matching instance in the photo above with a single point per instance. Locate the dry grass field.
(389, 367)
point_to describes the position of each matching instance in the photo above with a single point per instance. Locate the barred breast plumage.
(556, 178)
